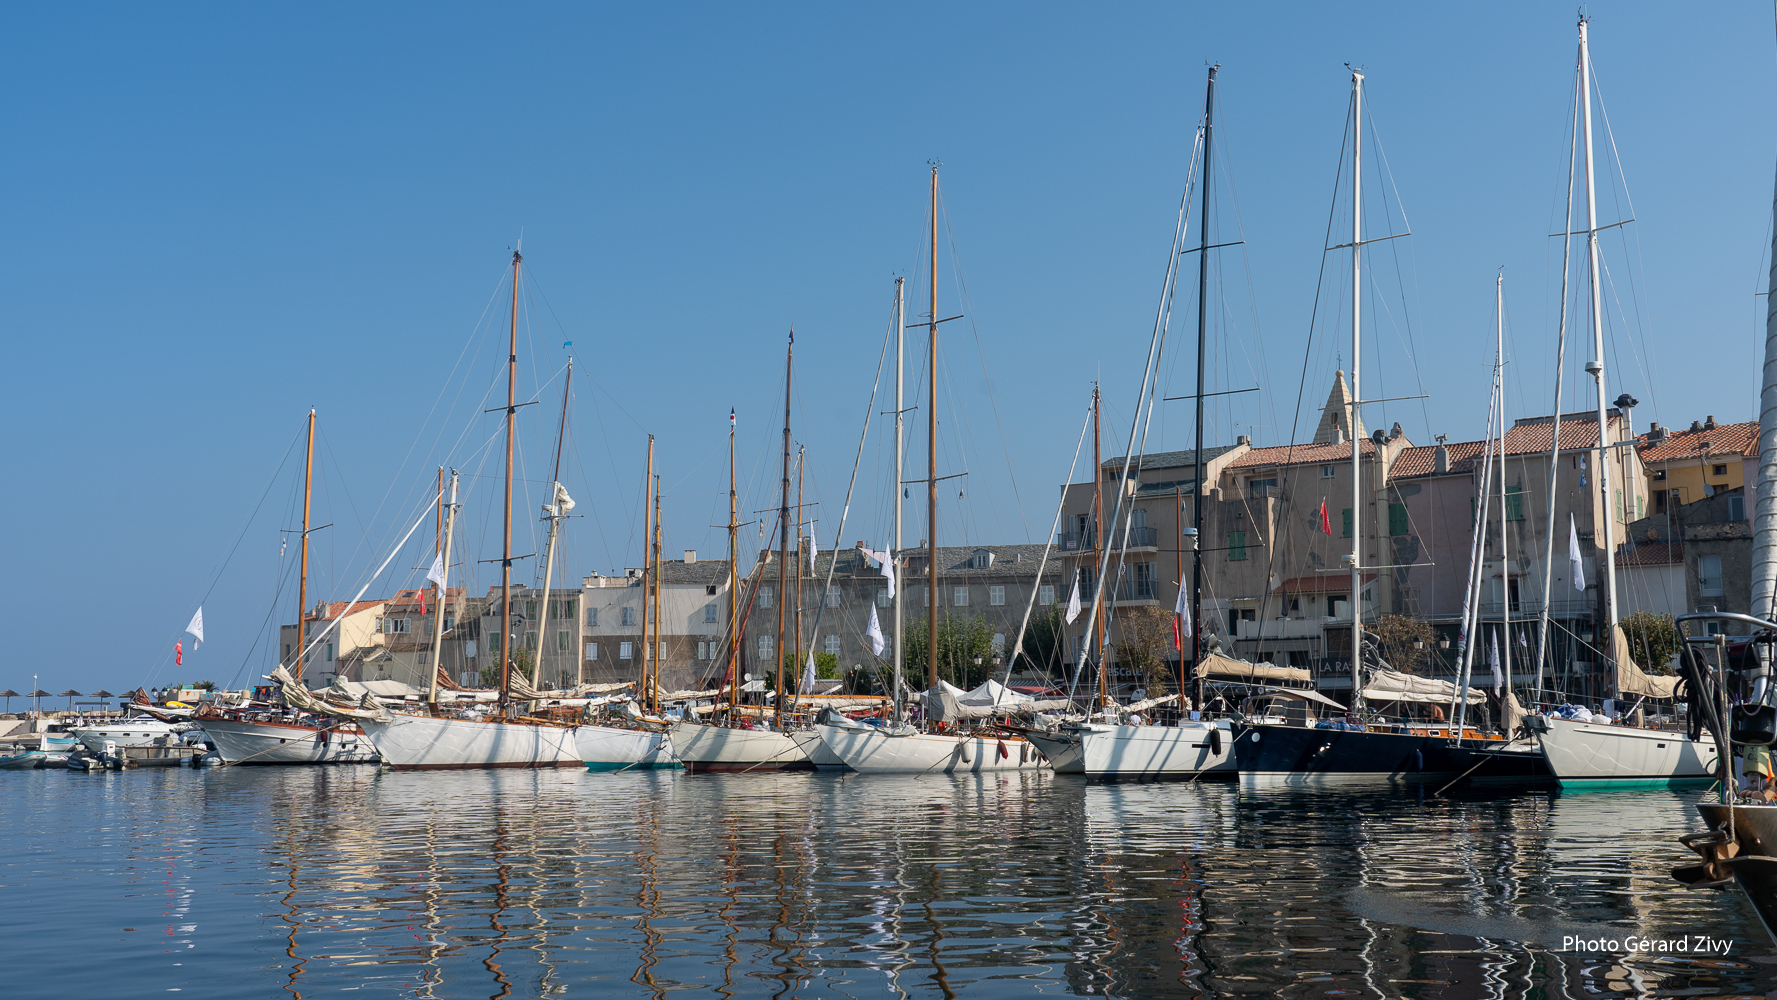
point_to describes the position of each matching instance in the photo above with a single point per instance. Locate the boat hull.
(1755, 829)
(606, 748)
(718, 748)
(138, 732)
(1586, 755)
(923, 753)
(266, 743)
(1156, 752)
(1291, 755)
(24, 761)
(424, 743)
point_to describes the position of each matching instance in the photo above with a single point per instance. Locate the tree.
(1406, 642)
(962, 639)
(1043, 642)
(521, 664)
(1653, 638)
(1147, 636)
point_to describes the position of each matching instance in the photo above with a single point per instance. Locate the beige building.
(358, 634)
(1690, 465)
(694, 615)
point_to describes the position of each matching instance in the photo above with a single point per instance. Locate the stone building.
(694, 615)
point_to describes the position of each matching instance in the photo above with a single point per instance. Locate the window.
(703, 650)
(999, 642)
(1709, 576)
(592, 650)
(882, 597)
(626, 650)
(1259, 489)
(1514, 505)
(832, 597)
(1047, 594)
(1237, 545)
(450, 622)
(1737, 508)
(1345, 519)
(925, 597)
(959, 597)
(1138, 518)
(710, 591)
(530, 609)
(530, 640)
(1659, 477)
(561, 640)
(1717, 470)
(1144, 581)
(766, 642)
(629, 616)
(1331, 472)
(493, 642)
(996, 596)
(395, 626)
(1640, 506)
(709, 614)
(330, 645)
(1397, 520)
(833, 645)
(592, 617)
(765, 597)
(564, 608)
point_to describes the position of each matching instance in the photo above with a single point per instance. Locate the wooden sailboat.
(872, 749)
(272, 736)
(436, 739)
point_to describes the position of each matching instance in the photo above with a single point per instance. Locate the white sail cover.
(522, 690)
(1764, 516)
(1392, 685)
(298, 696)
(1631, 681)
(1217, 665)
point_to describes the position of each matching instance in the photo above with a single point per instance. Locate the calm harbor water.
(261, 882)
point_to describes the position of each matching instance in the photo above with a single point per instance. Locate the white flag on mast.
(1493, 657)
(196, 628)
(808, 673)
(436, 573)
(1577, 564)
(875, 633)
(1183, 609)
(888, 567)
(1073, 601)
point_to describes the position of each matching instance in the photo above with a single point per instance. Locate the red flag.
(178, 654)
(1177, 642)
(1326, 524)
(422, 600)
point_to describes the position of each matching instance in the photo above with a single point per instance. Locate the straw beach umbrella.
(70, 694)
(39, 694)
(9, 694)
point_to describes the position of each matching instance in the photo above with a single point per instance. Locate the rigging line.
(216, 577)
(1048, 543)
(283, 579)
(1395, 254)
(981, 352)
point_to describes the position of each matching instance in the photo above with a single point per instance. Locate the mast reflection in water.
(515, 883)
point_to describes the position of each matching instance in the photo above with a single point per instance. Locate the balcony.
(1139, 538)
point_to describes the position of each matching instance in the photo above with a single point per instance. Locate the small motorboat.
(26, 760)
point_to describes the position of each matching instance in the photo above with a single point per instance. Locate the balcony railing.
(1138, 538)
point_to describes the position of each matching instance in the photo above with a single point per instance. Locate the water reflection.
(314, 880)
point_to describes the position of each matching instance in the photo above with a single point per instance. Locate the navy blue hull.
(1291, 755)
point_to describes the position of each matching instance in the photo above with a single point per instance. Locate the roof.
(1651, 554)
(411, 598)
(1423, 461)
(1531, 435)
(340, 609)
(1299, 454)
(1722, 439)
(1169, 459)
(1321, 583)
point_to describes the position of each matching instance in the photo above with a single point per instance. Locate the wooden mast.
(733, 678)
(654, 674)
(783, 538)
(932, 449)
(506, 637)
(302, 581)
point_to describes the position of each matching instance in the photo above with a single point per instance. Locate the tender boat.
(871, 750)
(1097, 750)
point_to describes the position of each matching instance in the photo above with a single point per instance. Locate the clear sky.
(219, 216)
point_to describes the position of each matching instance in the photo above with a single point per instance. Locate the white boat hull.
(718, 748)
(1182, 751)
(423, 743)
(284, 743)
(603, 748)
(137, 732)
(1600, 755)
(923, 753)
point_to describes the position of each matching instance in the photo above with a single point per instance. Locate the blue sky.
(219, 216)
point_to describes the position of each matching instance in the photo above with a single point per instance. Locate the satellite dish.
(746, 677)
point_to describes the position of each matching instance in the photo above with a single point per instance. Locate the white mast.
(1505, 543)
(1607, 534)
(1764, 524)
(450, 527)
(894, 553)
(1351, 423)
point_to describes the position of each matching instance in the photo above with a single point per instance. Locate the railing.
(1138, 538)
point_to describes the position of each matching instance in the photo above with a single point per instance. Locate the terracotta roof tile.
(1652, 554)
(1423, 461)
(1298, 454)
(1723, 439)
(1321, 583)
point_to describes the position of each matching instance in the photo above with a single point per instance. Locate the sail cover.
(1217, 665)
(1631, 681)
(1392, 685)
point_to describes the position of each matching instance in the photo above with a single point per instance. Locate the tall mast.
(783, 539)
(553, 512)
(649, 508)
(1097, 547)
(894, 553)
(1209, 111)
(302, 580)
(932, 451)
(654, 581)
(801, 453)
(1505, 541)
(1351, 423)
(450, 527)
(1596, 367)
(506, 547)
(733, 677)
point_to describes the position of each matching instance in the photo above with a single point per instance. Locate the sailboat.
(436, 739)
(1589, 753)
(288, 736)
(902, 748)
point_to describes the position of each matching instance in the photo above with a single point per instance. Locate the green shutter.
(1514, 503)
(1345, 519)
(1397, 519)
(1236, 545)
(1619, 494)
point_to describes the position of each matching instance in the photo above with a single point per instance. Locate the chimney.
(1696, 425)
(1247, 439)
(1441, 465)
(1394, 433)
(690, 556)
(1709, 422)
